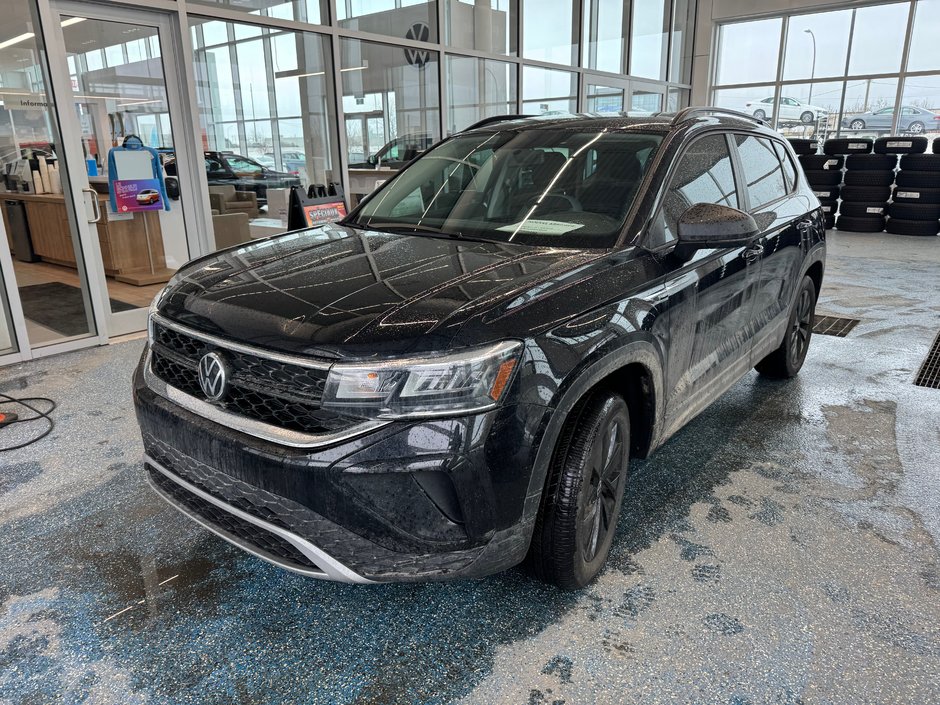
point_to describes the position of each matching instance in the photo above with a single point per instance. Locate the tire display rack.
(888, 184)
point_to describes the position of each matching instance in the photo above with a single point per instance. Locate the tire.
(915, 211)
(826, 193)
(823, 177)
(829, 219)
(861, 225)
(857, 124)
(786, 361)
(820, 162)
(871, 162)
(829, 208)
(923, 179)
(568, 549)
(916, 128)
(863, 210)
(869, 178)
(808, 118)
(898, 226)
(916, 195)
(760, 114)
(803, 145)
(866, 194)
(920, 162)
(935, 148)
(900, 145)
(847, 145)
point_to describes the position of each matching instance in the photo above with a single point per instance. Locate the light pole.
(812, 73)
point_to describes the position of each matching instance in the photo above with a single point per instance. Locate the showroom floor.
(782, 548)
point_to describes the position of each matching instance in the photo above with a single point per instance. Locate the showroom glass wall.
(870, 70)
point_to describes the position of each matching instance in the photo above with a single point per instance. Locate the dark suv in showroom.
(451, 381)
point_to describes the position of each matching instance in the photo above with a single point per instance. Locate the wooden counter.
(131, 248)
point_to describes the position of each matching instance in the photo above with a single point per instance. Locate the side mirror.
(707, 225)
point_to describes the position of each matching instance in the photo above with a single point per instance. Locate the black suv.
(453, 379)
(244, 173)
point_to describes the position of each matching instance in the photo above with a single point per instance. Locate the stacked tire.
(915, 209)
(868, 178)
(824, 174)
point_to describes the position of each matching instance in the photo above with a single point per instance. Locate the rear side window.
(789, 171)
(703, 175)
(762, 171)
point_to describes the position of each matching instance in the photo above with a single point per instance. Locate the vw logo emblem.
(418, 32)
(213, 376)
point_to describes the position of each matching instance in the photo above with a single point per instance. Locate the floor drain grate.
(833, 325)
(929, 373)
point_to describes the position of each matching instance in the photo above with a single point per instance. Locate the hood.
(338, 291)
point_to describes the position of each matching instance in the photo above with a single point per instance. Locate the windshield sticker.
(542, 227)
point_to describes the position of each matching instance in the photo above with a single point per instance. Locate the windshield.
(543, 187)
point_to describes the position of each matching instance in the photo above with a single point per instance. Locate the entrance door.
(122, 122)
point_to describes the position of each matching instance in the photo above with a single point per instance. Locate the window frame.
(670, 176)
(741, 179)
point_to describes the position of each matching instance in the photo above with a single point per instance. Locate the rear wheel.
(807, 117)
(916, 128)
(786, 361)
(760, 114)
(583, 494)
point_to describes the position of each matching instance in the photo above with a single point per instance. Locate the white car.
(790, 109)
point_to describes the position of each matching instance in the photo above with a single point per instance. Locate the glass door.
(646, 97)
(124, 134)
(45, 302)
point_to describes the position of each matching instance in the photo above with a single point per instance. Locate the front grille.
(273, 392)
(261, 539)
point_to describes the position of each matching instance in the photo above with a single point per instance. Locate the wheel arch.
(635, 371)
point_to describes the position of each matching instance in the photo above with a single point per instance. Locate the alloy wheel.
(857, 125)
(801, 328)
(603, 477)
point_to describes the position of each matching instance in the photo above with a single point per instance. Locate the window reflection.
(478, 88)
(483, 25)
(549, 31)
(411, 19)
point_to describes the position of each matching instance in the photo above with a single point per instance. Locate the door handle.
(94, 202)
(753, 252)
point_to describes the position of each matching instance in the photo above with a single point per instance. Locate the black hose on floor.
(37, 416)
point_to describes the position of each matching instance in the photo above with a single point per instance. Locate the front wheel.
(857, 124)
(760, 114)
(807, 117)
(582, 497)
(786, 361)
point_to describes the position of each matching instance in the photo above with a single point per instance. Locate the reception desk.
(131, 247)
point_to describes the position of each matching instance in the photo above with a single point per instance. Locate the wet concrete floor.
(782, 548)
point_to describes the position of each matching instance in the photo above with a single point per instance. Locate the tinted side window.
(703, 175)
(762, 172)
(789, 171)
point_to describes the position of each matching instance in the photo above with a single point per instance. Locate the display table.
(131, 248)
(265, 227)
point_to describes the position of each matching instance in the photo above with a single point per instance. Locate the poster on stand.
(132, 195)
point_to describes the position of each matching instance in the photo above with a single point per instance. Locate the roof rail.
(690, 113)
(494, 119)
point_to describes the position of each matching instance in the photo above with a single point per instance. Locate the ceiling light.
(355, 68)
(16, 40)
(72, 20)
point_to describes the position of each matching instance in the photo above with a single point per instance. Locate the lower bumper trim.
(330, 568)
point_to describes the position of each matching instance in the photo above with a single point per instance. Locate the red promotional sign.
(319, 213)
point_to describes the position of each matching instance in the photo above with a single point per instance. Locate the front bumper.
(439, 499)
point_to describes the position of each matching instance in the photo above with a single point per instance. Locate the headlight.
(465, 382)
(152, 310)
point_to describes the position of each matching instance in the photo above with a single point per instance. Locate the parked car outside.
(396, 153)
(244, 173)
(913, 120)
(791, 109)
(453, 379)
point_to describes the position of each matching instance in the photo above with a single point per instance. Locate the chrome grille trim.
(258, 429)
(240, 347)
(331, 568)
